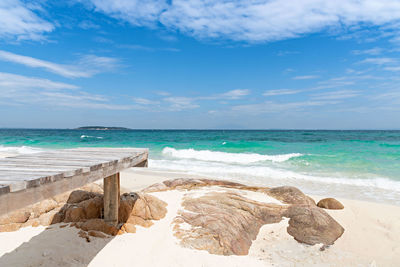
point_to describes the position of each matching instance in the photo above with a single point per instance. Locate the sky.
(200, 64)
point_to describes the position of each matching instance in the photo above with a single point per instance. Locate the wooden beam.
(111, 199)
(28, 179)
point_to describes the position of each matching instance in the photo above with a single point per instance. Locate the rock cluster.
(47, 211)
(83, 208)
(220, 220)
(226, 223)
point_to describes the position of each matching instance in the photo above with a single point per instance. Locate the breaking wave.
(217, 156)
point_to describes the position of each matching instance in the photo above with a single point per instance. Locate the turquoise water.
(359, 158)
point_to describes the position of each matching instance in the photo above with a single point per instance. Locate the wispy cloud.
(9, 81)
(281, 92)
(178, 103)
(397, 68)
(274, 107)
(24, 90)
(18, 21)
(145, 101)
(379, 60)
(305, 77)
(372, 51)
(87, 24)
(86, 66)
(340, 94)
(234, 94)
(255, 21)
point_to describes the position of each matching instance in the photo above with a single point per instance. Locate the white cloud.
(254, 21)
(179, 103)
(379, 60)
(145, 101)
(274, 107)
(305, 77)
(397, 68)
(15, 82)
(18, 21)
(234, 94)
(136, 12)
(23, 90)
(281, 92)
(372, 51)
(87, 65)
(341, 94)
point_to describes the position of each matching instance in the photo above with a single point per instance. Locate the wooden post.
(111, 199)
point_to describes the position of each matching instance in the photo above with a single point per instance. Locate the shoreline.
(342, 191)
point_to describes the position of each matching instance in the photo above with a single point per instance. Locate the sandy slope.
(372, 237)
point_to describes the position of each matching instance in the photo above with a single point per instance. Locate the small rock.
(74, 214)
(18, 216)
(43, 207)
(312, 225)
(330, 203)
(79, 196)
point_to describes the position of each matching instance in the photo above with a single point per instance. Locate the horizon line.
(198, 129)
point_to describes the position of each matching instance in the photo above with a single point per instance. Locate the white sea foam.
(217, 156)
(264, 173)
(89, 136)
(20, 149)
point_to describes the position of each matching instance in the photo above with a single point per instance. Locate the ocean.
(353, 164)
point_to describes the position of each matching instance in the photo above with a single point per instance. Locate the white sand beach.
(371, 238)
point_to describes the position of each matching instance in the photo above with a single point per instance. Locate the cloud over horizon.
(87, 65)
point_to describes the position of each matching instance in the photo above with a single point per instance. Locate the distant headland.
(102, 128)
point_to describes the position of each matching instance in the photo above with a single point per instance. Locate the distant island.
(100, 128)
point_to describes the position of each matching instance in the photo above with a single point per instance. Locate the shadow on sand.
(57, 245)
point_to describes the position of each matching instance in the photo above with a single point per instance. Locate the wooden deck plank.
(27, 179)
(37, 168)
(65, 159)
(74, 157)
(42, 167)
(74, 153)
(33, 175)
(59, 162)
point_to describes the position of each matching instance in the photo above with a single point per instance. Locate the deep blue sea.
(365, 162)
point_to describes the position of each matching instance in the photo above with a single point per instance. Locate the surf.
(218, 156)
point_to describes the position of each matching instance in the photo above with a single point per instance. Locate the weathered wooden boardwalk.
(28, 179)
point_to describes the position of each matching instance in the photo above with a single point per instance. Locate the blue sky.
(310, 64)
